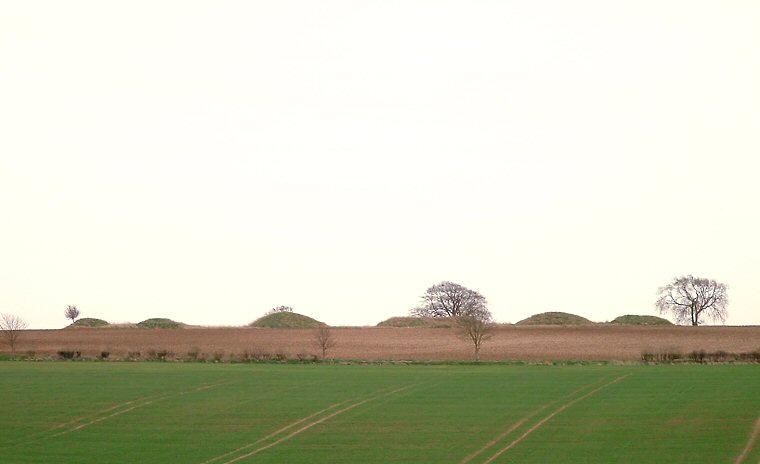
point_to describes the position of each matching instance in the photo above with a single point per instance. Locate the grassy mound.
(89, 322)
(286, 320)
(160, 323)
(555, 318)
(630, 319)
(431, 322)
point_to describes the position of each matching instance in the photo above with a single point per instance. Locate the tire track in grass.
(750, 443)
(97, 413)
(276, 432)
(279, 431)
(122, 411)
(46, 433)
(538, 424)
(316, 422)
(520, 422)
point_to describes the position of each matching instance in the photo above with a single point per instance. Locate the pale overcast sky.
(206, 161)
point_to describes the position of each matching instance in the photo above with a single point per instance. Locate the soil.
(518, 343)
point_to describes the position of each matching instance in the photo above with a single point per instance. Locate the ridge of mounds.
(286, 320)
(414, 321)
(555, 318)
(89, 322)
(631, 319)
(160, 323)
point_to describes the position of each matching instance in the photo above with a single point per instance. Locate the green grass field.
(91, 412)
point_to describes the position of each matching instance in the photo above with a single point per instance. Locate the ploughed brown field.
(527, 343)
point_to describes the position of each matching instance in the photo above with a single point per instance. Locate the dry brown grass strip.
(549, 417)
(750, 443)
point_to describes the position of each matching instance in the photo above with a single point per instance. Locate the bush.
(104, 355)
(194, 353)
(69, 354)
(159, 355)
(662, 356)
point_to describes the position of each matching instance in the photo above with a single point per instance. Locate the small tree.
(71, 312)
(324, 339)
(11, 327)
(690, 299)
(448, 299)
(476, 328)
(280, 309)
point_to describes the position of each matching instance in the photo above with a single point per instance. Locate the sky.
(207, 161)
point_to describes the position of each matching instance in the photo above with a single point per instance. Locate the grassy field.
(93, 412)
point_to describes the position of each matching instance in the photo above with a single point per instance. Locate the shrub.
(69, 354)
(662, 356)
(104, 355)
(194, 353)
(307, 358)
(697, 356)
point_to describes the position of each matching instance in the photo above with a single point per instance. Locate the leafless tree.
(11, 327)
(690, 299)
(280, 309)
(476, 327)
(324, 338)
(448, 299)
(71, 312)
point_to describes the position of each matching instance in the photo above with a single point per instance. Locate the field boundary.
(750, 442)
(374, 396)
(540, 423)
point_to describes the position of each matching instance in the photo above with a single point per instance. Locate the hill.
(286, 320)
(89, 322)
(630, 319)
(160, 323)
(430, 322)
(555, 318)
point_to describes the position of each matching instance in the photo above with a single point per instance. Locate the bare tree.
(448, 299)
(71, 312)
(11, 327)
(690, 299)
(280, 309)
(324, 338)
(476, 327)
